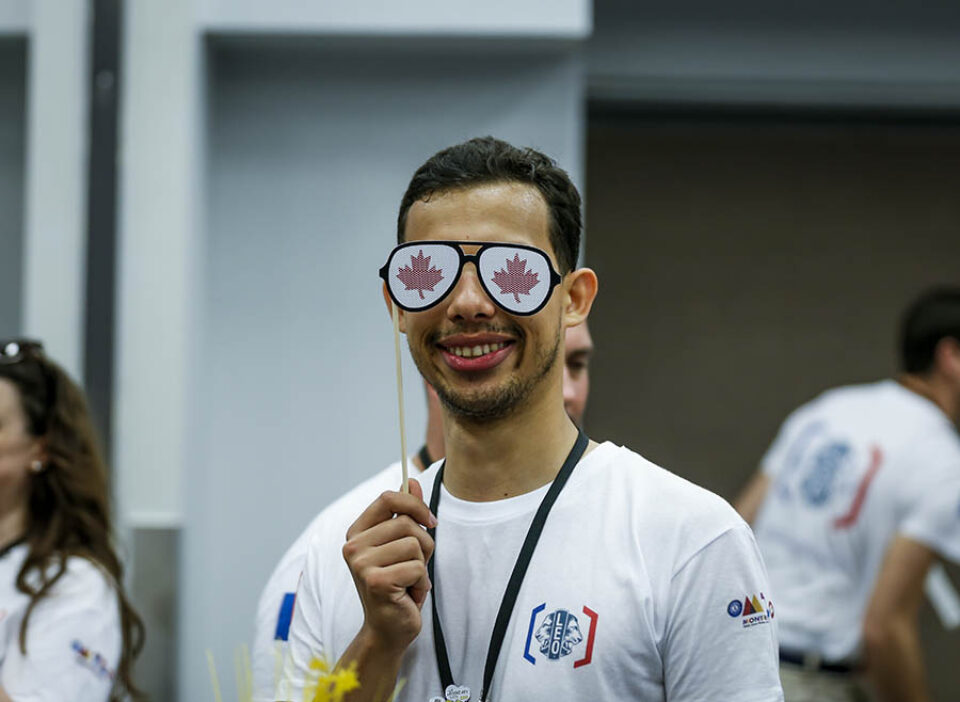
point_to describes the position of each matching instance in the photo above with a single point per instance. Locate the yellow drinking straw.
(214, 680)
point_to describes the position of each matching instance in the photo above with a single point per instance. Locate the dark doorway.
(748, 263)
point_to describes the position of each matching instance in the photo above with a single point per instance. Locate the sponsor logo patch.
(92, 661)
(752, 610)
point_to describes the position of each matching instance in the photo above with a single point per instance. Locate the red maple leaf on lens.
(419, 275)
(516, 279)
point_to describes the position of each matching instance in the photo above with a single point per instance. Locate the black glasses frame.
(474, 258)
(16, 350)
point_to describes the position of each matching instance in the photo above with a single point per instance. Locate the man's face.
(517, 354)
(578, 348)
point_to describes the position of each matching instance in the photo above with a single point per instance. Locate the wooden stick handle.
(403, 433)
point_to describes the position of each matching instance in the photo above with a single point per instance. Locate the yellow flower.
(329, 686)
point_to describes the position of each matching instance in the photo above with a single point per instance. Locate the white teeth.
(473, 351)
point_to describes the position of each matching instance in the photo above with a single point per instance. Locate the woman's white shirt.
(73, 640)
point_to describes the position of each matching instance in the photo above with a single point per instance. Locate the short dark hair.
(488, 160)
(933, 316)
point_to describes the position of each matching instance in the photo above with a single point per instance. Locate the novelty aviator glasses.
(517, 278)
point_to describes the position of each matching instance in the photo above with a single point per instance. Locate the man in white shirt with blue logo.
(857, 496)
(554, 568)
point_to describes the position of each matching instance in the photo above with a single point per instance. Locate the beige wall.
(743, 269)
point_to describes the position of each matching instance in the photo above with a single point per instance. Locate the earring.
(36, 466)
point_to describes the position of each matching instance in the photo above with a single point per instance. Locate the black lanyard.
(516, 577)
(426, 460)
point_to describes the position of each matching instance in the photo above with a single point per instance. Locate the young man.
(556, 568)
(276, 604)
(858, 493)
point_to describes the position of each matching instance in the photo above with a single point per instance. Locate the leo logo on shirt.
(92, 660)
(558, 634)
(753, 610)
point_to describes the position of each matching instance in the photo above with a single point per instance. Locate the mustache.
(509, 329)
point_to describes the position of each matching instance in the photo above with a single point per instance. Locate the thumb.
(415, 488)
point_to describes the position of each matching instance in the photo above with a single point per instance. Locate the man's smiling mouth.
(472, 352)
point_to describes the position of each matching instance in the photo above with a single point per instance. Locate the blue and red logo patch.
(559, 633)
(754, 610)
(92, 660)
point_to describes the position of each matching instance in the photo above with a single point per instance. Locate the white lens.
(420, 275)
(517, 278)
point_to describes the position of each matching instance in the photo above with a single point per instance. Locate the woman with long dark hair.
(67, 631)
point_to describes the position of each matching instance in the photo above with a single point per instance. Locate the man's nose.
(468, 300)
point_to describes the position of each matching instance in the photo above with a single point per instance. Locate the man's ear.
(389, 302)
(947, 356)
(581, 290)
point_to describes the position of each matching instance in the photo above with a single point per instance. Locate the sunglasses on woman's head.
(15, 350)
(518, 278)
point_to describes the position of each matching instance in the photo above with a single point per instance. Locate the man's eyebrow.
(579, 353)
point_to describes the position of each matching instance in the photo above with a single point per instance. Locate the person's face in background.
(18, 448)
(576, 371)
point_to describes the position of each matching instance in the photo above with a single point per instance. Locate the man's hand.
(387, 551)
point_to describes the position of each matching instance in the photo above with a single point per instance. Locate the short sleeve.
(304, 641)
(720, 641)
(272, 626)
(779, 452)
(933, 515)
(73, 642)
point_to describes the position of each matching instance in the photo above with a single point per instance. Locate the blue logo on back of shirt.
(817, 486)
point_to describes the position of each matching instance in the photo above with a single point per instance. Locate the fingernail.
(433, 520)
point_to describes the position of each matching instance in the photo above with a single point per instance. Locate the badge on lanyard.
(454, 693)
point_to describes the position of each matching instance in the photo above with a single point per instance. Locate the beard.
(496, 403)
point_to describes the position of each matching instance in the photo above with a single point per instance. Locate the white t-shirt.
(849, 471)
(643, 587)
(73, 635)
(275, 608)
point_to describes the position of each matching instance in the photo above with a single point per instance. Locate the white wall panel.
(560, 18)
(159, 252)
(15, 17)
(56, 179)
